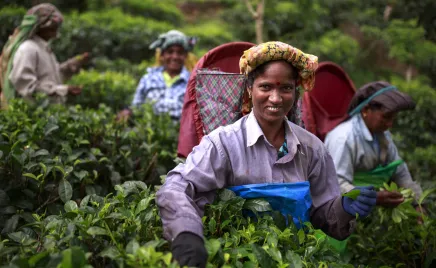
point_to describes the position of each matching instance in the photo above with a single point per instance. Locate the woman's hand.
(124, 115)
(363, 204)
(74, 90)
(389, 199)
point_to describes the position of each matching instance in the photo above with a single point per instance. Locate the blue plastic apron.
(291, 199)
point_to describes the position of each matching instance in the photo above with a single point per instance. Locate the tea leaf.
(294, 259)
(262, 257)
(65, 190)
(4, 198)
(41, 153)
(70, 206)
(301, 236)
(212, 246)
(257, 205)
(353, 194)
(110, 252)
(73, 257)
(11, 224)
(226, 194)
(30, 175)
(425, 194)
(95, 230)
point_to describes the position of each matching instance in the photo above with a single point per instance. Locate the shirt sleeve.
(69, 68)
(25, 79)
(327, 212)
(139, 97)
(402, 175)
(342, 156)
(189, 187)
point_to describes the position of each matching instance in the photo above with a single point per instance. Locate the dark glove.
(363, 204)
(188, 249)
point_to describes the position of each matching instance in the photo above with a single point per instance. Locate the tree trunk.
(409, 73)
(258, 18)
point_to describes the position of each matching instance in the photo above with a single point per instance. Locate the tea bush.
(111, 88)
(110, 33)
(50, 155)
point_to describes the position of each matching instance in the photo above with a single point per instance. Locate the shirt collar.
(361, 126)
(254, 131)
(185, 74)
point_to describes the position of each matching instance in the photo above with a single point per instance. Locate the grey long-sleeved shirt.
(353, 148)
(239, 154)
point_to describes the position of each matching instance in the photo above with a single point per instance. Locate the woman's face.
(173, 59)
(378, 120)
(273, 92)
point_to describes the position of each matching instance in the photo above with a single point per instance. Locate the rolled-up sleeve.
(402, 175)
(189, 187)
(25, 79)
(327, 212)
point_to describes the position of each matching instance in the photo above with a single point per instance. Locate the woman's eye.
(288, 88)
(265, 86)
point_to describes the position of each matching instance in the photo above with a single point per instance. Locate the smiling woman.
(262, 155)
(165, 85)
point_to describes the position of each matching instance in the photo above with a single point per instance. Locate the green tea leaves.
(353, 194)
(65, 190)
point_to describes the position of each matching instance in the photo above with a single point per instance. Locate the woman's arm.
(402, 175)
(327, 212)
(190, 186)
(342, 156)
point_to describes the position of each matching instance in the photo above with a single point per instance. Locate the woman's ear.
(365, 111)
(250, 91)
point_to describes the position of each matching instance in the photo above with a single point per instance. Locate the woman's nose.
(275, 96)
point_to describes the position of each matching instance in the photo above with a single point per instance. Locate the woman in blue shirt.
(165, 85)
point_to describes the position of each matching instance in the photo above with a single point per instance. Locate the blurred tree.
(258, 17)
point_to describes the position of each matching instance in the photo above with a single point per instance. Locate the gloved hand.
(188, 249)
(363, 204)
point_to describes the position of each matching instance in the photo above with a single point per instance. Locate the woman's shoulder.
(229, 132)
(28, 45)
(342, 131)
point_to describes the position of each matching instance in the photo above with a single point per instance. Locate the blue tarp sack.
(289, 198)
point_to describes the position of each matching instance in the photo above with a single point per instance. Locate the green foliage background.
(82, 149)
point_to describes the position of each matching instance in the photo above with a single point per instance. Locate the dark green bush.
(110, 88)
(109, 33)
(57, 153)
(10, 17)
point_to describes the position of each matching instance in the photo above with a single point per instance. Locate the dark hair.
(249, 81)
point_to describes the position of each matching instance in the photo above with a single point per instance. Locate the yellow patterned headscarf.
(271, 51)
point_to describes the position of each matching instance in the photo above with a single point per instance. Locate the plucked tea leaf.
(257, 205)
(226, 194)
(353, 194)
(262, 257)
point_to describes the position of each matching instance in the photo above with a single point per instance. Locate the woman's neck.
(274, 133)
(173, 74)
